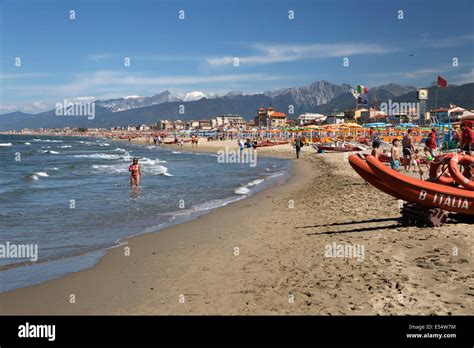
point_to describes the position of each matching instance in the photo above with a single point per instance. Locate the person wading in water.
(135, 173)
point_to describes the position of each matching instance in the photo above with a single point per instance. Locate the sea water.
(70, 197)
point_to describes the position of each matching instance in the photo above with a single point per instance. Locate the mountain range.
(319, 96)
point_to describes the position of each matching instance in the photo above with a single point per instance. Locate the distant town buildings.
(268, 118)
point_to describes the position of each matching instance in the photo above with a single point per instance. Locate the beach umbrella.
(351, 125)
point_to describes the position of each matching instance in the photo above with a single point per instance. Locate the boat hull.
(424, 193)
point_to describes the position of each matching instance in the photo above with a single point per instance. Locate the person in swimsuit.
(416, 161)
(241, 147)
(135, 173)
(428, 157)
(254, 144)
(395, 159)
(408, 150)
(375, 149)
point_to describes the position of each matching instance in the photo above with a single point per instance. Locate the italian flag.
(362, 89)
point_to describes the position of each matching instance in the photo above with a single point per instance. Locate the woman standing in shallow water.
(135, 173)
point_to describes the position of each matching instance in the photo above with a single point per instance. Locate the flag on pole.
(442, 82)
(354, 93)
(362, 89)
(361, 100)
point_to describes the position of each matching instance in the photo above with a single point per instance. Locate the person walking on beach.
(395, 159)
(431, 142)
(135, 173)
(194, 140)
(408, 150)
(298, 145)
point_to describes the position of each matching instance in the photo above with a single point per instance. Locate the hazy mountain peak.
(393, 88)
(234, 94)
(316, 93)
(134, 101)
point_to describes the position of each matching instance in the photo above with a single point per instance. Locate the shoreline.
(282, 234)
(124, 240)
(170, 235)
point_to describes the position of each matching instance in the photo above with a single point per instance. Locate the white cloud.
(21, 75)
(268, 54)
(467, 77)
(95, 57)
(112, 84)
(449, 41)
(114, 80)
(33, 107)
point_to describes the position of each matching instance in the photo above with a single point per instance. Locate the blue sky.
(63, 58)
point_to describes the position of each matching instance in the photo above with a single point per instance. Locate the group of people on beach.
(248, 144)
(413, 157)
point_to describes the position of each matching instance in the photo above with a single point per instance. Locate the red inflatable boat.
(424, 193)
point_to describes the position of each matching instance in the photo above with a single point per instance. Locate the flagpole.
(357, 98)
(437, 113)
(375, 107)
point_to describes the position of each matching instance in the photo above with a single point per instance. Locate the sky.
(278, 44)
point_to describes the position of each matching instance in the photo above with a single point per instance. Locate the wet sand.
(271, 254)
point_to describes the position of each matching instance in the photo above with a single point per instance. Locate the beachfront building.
(165, 125)
(143, 127)
(270, 118)
(336, 118)
(445, 115)
(192, 124)
(364, 115)
(230, 121)
(205, 124)
(179, 125)
(309, 118)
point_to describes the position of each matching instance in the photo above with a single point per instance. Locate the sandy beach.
(268, 254)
